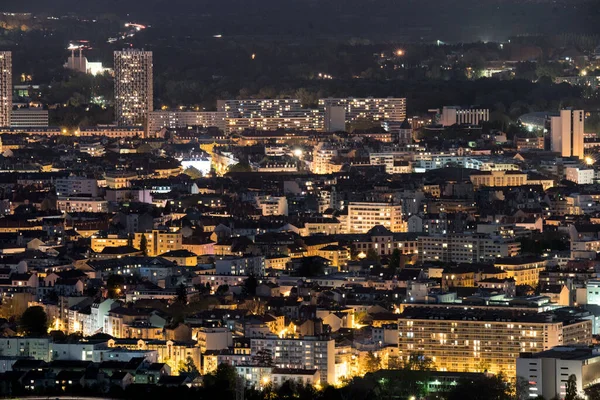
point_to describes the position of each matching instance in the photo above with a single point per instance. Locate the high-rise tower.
(133, 86)
(5, 87)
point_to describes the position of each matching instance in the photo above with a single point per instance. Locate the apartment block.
(309, 352)
(29, 117)
(181, 119)
(484, 340)
(158, 241)
(134, 93)
(547, 372)
(76, 186)
(362, 216)
(466, 248)
(5, 88)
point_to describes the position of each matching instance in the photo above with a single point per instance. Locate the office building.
(29, 118)
(133, 86)
(376, 109)
(362, 216)
(567, 133)
(309, 352)
(484, 340)
(5, 87)
(547, 372)
(455, 115)
(181, 119)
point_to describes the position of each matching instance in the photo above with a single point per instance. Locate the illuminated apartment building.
(524, 270)
(158, 242)
(5, 88)
(181, 119)
(466, 248)
(310, 352)
(323, 156)
(483, 340)
(133, 86)
(376, 109)
(362, 216)
(266, 114)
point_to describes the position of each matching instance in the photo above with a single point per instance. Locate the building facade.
(29, 117)
(133, 86)
(5, 87)
(567, 133)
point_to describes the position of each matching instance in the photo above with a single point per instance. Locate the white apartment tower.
(5, 87)
(133, 86)
(567, 133)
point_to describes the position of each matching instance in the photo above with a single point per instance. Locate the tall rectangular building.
(5, 87)
(567, 133)
(133, 86)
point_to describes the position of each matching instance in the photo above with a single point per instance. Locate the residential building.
(309, 352)
(546, 373)
(376, 109)
(158, 120)
(484, 340)
(466, 247)
(6, 88)
(580, 175)
(240, 266)
(133, 86)
(158, 241)
(76, 186)
(362, 216)
(272, 205)
(29, 117)
(81, 204)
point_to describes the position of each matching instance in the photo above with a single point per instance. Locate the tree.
(181, 292)
(263, 358)
(419, 362)
(144, 245)
(481, 388)
(310, 266)
(395, 259)
(571, 388)
(193, 173)
(222, 289)
(188, 367)
(370, 363)
(373, 255)
(250, 285)
(242, 166)
(34, 322)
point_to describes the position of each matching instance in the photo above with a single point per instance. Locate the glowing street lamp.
(399, 52)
